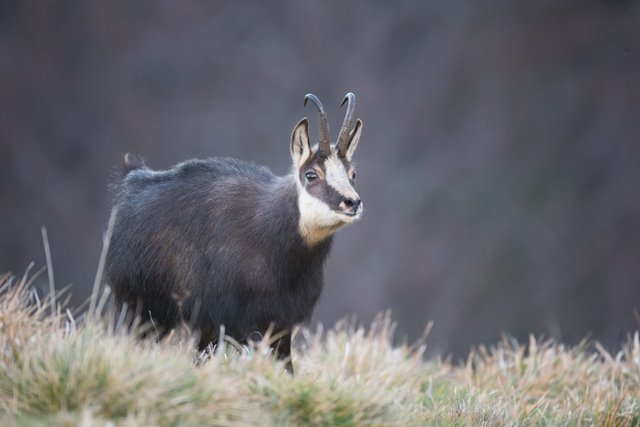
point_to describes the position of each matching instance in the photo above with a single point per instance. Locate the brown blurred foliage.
(499, 164)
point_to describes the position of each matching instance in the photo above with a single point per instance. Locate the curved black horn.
(324, 146)
(347, 124)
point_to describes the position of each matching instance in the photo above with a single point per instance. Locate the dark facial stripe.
(320, 188)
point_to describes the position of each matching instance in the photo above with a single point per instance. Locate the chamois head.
(325, 175)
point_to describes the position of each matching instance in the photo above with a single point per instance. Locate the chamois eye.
(311, 175)
(353, 175)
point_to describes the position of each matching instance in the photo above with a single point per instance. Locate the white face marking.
(337, 177)
(317, 219)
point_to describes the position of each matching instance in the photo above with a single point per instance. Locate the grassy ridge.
(55, 370)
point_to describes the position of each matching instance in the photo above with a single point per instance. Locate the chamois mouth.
(350, 216)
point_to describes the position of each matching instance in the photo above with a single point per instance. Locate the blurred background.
(499, 163)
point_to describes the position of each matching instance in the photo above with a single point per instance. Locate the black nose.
(352, 204)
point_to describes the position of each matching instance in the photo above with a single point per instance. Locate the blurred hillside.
(499, 163)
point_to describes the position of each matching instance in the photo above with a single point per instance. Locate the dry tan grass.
(60, 371)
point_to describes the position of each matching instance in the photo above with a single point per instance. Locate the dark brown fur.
(221, 236)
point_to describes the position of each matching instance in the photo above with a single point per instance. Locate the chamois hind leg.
(282, 349)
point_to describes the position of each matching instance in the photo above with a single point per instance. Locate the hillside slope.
(58, 370)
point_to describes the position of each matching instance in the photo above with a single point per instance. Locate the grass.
(59, 370)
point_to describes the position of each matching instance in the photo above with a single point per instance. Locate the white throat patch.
(317, 220)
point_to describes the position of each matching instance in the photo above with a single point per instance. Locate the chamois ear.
(354, 138)
(300, 145)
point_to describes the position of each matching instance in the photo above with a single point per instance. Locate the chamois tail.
(132, 162)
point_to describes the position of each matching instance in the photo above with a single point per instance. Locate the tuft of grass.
(58, 370)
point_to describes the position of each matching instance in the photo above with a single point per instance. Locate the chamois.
(226, 242)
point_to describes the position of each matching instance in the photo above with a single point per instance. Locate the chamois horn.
(324, 146)
(347, 124)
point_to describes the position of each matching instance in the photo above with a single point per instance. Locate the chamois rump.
(226, 242)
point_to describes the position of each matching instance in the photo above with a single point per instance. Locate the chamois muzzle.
(350, 206)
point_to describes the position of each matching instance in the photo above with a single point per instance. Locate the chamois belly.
(252, 300)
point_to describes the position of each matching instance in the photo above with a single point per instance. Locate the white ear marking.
(355, 138)
(300, 146)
